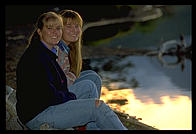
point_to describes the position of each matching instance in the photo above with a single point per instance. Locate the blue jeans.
(94, 77)
(77, 113)
(91, 79)
(81, 111)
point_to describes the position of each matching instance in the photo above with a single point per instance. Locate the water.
(146, 76)
(160, 94)
(151, 87)
(165, 28)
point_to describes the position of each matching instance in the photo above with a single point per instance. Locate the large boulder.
(12, 121)
(11, 116)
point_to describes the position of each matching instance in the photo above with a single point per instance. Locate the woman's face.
(71, 31)
(51, 33)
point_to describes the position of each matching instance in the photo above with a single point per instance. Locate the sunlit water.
(171, 114)
(160, 95)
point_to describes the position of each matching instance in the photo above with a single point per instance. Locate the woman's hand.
(70, 78)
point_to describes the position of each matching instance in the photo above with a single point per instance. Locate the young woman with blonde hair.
(42, 92)
(70, 55)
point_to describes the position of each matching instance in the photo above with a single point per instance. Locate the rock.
(11, 116)
(12, 121)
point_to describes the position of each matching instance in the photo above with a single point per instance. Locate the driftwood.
(175, 48)
(142, 14)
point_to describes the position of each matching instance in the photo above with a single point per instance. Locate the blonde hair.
(42, 19)
(75, 55)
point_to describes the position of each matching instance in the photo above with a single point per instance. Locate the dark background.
(25, 14)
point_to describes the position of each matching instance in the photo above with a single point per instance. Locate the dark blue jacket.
(40, 82)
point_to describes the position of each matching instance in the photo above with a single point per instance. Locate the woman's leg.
(77, 113)
(84, 89)
(93, 76)
(87, 72)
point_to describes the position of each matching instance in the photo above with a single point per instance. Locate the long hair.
(42, 19)
(75, 55)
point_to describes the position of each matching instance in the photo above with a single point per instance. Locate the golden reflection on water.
(171, 114)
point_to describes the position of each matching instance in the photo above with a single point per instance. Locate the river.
(160, 95)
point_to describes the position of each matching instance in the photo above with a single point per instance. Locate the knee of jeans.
(91, 71)
(102, 107)
(92, 84)
(86, 72)
(88, 82)
(95, 74)
(95, 78)
(98, 103)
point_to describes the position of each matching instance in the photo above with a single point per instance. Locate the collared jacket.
(40, 82)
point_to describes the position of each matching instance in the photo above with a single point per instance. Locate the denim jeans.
(93, 76)
(81, 111)
(91, 79)
(77, 113)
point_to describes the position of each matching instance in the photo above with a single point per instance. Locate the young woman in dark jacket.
(42, 93)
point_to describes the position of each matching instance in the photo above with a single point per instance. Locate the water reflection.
(145, 75)
(174, 113)
(142, 87)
